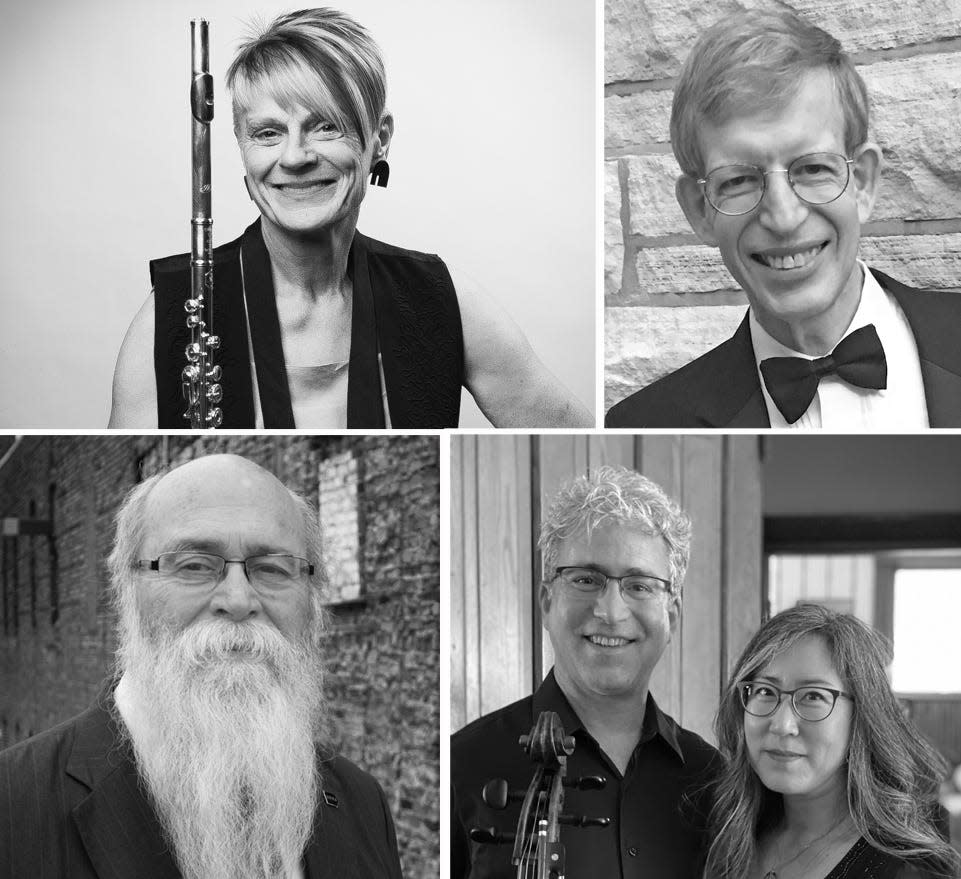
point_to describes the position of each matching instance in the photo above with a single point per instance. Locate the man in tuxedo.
(616, 548)
(202, 757)
(769, 126)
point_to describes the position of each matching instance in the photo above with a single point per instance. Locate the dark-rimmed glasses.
(817, 178)
(762, 699)
(274, 570)
(589, 582)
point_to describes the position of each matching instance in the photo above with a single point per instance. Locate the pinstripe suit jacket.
(71, 807)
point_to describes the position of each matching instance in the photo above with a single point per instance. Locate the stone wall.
(379, 498)
(669, 298)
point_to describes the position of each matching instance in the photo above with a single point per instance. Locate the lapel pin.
(330, 799)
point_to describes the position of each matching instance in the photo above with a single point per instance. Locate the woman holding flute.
(321, 326)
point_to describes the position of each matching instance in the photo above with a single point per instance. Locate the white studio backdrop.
(492, 167)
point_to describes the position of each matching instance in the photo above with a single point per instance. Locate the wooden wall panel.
(743, 595)
(503, 568)
(701, 496)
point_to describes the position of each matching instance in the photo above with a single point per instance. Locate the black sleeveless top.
(404, 309)
(863, 861)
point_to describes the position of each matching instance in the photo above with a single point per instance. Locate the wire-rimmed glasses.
(590, 582)
(816, 178)
(762, 699)
(274, 570)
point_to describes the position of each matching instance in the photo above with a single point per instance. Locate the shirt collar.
(550, 697)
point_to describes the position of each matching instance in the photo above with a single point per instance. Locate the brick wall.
(379, 499)
(669, 298)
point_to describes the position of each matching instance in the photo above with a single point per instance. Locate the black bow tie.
(792, 382)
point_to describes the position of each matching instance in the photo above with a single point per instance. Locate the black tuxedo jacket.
(71, 807)
(722, 389)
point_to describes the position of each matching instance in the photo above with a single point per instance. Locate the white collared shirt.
(839, 405)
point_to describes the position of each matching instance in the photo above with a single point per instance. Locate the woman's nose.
(297, 153)
(784, 722)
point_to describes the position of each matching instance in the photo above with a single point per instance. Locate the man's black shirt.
(658, 808)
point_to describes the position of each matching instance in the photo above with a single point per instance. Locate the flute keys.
(193, 305)
(194, 320)
(190, 374)
(215, 418)
(214, 373)
(215, 393)
(213, 342)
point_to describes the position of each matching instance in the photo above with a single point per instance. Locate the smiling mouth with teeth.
(790, 261)
(602, 641)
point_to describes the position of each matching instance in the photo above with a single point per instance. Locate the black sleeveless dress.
(404, 310)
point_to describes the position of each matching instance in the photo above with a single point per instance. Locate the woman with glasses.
(825, 779)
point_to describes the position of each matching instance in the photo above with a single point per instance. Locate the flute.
(200, 377)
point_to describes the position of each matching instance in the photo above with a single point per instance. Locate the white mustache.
(212, 640)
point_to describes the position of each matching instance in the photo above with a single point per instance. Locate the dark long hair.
(893, 774)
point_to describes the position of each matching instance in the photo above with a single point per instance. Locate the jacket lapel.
(119, 829)
(734, 397)
(934, 318)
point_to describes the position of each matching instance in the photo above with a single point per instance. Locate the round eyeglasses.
(817, 178)
(589, 582)
(762, 699)
(275, 570)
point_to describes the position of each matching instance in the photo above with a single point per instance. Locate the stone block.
(613, 230)
(638, 119)
(932, 261)
(644, 344)
(649, 39)
(695, 269)
(916, 119)
(650, 187)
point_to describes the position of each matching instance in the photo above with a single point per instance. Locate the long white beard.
(230, 714)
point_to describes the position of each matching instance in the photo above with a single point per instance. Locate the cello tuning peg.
(586, 782)
(497, 794)
(490, 836)
(583, 821)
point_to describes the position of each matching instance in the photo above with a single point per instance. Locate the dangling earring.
(247, 187)
(379, 173)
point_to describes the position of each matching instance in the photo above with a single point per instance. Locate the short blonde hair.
(320, 59)
(752, 62)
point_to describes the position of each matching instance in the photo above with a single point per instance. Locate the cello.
(538, 852)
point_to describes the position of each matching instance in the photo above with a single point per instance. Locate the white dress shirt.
(838, 405)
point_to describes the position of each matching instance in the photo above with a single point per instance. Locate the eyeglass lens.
(817, 178)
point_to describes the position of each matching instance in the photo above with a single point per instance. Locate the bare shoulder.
(503, 373)
(134, 384)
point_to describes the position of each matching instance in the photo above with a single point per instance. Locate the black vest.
(404, 307)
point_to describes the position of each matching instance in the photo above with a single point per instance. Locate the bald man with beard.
(202, 757)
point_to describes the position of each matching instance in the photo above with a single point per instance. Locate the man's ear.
(866, 174)
(674, 613)
(544, 599)
(699, 213)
